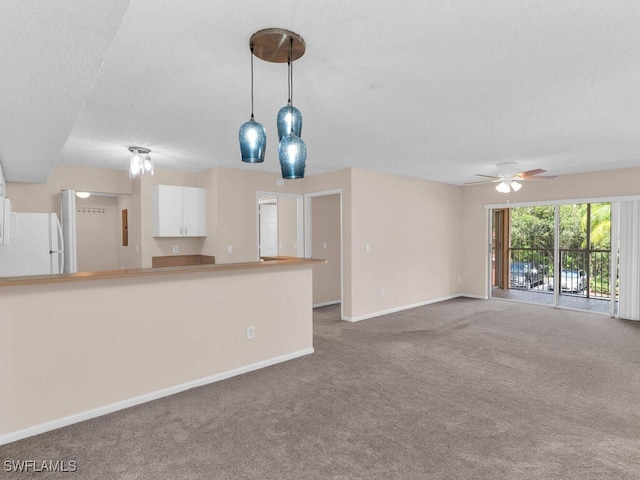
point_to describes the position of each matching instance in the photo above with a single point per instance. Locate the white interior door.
(268, 230)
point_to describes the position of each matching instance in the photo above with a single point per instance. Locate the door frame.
(501, 248)
(308, 200)
(299, 219)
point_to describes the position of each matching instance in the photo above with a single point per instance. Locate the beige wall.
(129, 256)
(152, 246)
(27, 197)
(45, 197)
(325, 241)
(236, 222)
(98, 233)
(288, 226)
(32, 197)
(413, 227)
(415, 235)
(66, 349)
(607, 184)
(235, 216)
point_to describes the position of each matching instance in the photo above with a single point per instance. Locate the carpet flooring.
(463, 389)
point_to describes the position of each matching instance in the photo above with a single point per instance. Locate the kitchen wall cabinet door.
(194, 217)
(179, 211)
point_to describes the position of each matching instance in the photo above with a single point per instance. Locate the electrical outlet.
(175, 249)
(251, 333)
(229, 248)
(324, 245)
(382, 292)
(367, 248)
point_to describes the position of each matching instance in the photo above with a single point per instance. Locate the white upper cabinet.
(194, 214)
(179, 211)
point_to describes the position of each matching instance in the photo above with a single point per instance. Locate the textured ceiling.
(433, 89)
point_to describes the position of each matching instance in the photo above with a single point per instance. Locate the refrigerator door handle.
(61, 247)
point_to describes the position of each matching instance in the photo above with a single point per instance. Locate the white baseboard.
(326, 304)
(407, 307)
(165, 392)
(470, 295)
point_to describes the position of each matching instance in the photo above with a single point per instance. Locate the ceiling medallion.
(274, 45)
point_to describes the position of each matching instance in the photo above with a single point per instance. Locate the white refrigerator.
(36, 246)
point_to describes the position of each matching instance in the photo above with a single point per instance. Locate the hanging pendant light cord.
(290, 80)
(251, 49)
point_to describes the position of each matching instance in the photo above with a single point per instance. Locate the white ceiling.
(436, 89)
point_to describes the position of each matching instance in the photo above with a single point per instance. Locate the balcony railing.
(582, 271)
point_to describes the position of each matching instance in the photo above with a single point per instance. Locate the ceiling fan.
(509, 177)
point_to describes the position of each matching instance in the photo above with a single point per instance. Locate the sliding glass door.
(555, 255)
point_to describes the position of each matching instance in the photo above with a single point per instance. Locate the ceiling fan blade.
(530, 173)
(488, 176)
(546, 177)
(483, 181)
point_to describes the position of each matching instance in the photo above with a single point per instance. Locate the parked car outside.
(573, 281)
(526, 275)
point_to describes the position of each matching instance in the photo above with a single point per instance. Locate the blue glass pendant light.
(252, 136)
(289, 120)
(279, 45)
(292, 151)
(253, 141)
(289, 117)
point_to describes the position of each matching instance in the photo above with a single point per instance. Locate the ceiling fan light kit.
(277, 45)
(507, 185)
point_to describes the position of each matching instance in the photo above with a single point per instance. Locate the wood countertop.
(267, 262)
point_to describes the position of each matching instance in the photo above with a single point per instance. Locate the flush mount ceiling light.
(83, 194)
(277, 45)
(140, 162)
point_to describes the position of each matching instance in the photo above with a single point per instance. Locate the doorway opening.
(280, 225)
(323, 239)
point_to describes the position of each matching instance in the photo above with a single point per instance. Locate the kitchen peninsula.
(76, 346)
